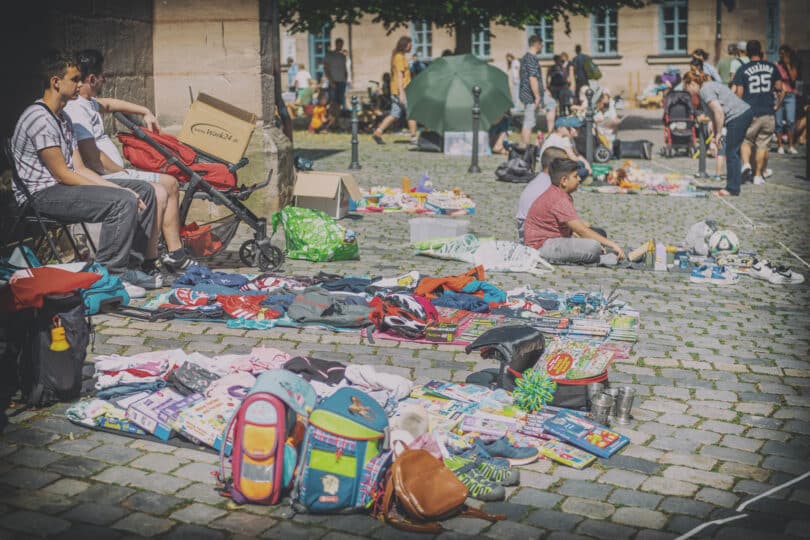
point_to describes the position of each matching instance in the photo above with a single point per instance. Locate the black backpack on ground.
(633, 149)
(46, 375)
(519, 166)
(430, 141)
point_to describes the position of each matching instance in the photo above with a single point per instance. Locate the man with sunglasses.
(100, 154)
(47, 160)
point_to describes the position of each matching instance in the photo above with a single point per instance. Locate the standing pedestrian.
(531, 88)
(755, 83)
(724, 65)
(292, 71)
(730, 116)
(400, 78)
(513, 68)
(334, 67)
(786, 114)
(580, 78)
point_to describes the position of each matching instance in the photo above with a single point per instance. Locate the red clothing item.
(27, 287)
(548, 217)
(433, 287)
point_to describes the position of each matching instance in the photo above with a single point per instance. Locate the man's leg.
(735, 131)
(763, 141)
(529, 121)
(116, 209)
(142, 246)
(171, 217)
(571, 251)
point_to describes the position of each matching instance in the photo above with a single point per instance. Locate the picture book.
(443, 414)
(488, 425)
(566, 454)
(585, 434)
(470, 393)
(573, 360)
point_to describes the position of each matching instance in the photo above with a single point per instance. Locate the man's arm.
(83, 171)
(583, 231)
(737, 89)
(780, 94)
(534, 83)
(96, 160)
(717, 116)
(108, 105)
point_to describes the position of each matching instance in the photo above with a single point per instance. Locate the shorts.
(398, 110)
(549, 103)
(133, 174)
(760, 131)
(529, 115)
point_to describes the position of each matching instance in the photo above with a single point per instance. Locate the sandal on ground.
(723, 193)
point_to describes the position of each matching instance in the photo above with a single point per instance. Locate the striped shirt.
(529, 67)
(38, 128)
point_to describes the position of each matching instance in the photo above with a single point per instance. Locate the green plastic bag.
(314, 236)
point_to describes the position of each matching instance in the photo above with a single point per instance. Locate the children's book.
(585, 434)
(470, 393)
(573, 360)
(566, 454)
(489, 425)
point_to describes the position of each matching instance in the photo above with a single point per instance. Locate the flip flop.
(377, 139)
(723, 193)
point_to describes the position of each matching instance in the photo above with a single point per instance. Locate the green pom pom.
(533, 390)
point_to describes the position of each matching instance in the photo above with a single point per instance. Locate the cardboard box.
(326, 191)
(460, 143)
(217, 128)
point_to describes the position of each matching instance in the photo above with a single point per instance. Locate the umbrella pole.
(476, 115)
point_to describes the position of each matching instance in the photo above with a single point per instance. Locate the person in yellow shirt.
(321, 119)
(400, 78)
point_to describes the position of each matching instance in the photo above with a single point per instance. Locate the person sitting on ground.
(498, 135)
(49, 163)
(535, 188)
(552, 222)
(102, 156)
(566, 130)
(321, 117)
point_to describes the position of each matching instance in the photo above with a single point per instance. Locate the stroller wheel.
(247, 252)
(270, 258)
(602, 155)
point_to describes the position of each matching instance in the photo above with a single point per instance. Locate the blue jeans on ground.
(735, 133)
(124, 228)
(786, 114)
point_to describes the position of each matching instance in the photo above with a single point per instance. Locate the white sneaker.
(767, 173)
(133, 290)
(781, 150)
(792, 150)
(758, 180)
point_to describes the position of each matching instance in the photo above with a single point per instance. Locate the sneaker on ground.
(173, 263)
(133, 290)
(780, 275)
(495, 470)
(714, 274)
(479, 487)
(767, 173)
(142, 279)
(758, 180)
(515, 455)
(747, 175)
(792, 150)
(781, 150)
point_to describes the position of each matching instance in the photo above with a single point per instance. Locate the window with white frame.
(546, 32)
(480, 42)
(673, 23)
(422, 37)
(605, 32)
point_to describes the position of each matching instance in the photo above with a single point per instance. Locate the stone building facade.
(630, 46)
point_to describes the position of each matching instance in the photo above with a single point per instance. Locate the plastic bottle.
(406, 184)
(660, 257)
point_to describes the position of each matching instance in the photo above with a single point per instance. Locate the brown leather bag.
(426, 491)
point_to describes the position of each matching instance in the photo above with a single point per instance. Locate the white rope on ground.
(742, 506)
(792, 253)
(748, 219)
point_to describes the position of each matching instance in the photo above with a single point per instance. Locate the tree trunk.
(463, 32)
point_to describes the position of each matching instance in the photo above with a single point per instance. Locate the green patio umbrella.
(441, 98)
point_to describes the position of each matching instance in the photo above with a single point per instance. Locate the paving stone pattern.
(722, 379)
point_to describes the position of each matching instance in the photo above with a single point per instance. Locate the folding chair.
(27, 214)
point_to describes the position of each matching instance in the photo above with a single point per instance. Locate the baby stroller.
(203, 177)
(602, 152)
(679, 124)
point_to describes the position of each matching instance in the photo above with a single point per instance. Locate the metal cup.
(624, 404)
(614, 393)
(594, 389)
(600, 408)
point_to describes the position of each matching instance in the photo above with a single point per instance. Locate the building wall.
(639, 57)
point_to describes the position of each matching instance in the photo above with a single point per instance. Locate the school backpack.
(342, 458)
(107, 292)
(592, 71)
(264, 452)
(144, 156)
(54, 351)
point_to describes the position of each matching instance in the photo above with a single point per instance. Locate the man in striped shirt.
(531, 87)
(47, 160)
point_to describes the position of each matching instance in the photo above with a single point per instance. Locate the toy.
(533, 390)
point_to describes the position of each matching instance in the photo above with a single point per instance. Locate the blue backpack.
(109, 290)
(342, 458)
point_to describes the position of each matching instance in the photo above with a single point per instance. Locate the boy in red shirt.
(552, 221)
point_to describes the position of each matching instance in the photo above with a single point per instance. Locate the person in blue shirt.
(756, 83)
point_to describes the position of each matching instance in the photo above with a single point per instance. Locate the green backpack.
(314, 236)
(592, 71)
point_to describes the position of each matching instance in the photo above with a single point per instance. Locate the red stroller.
(203, 177)
(679, 124)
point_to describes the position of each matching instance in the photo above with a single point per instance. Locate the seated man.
(566, 130)
(535, 188)
(102, 156)
(552, 221)
(48, 161)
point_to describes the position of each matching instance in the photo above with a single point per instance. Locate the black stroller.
(204, 177)
(679, 124)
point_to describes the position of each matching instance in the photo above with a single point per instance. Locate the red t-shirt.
(548, 216)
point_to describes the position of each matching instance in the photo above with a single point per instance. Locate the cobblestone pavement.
(722, 375)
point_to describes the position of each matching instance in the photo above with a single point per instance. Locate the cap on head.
(741, 45)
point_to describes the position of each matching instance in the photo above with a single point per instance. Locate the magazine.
(469, 393)
(566, 454)
(488, 425)
(573, 360)
(585, 434)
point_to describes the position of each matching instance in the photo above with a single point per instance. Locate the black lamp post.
(355, 164)
(476, 116)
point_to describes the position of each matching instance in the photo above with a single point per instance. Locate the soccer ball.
(723, 241)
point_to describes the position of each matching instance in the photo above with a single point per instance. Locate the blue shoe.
(494, 469)
(503, 448)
